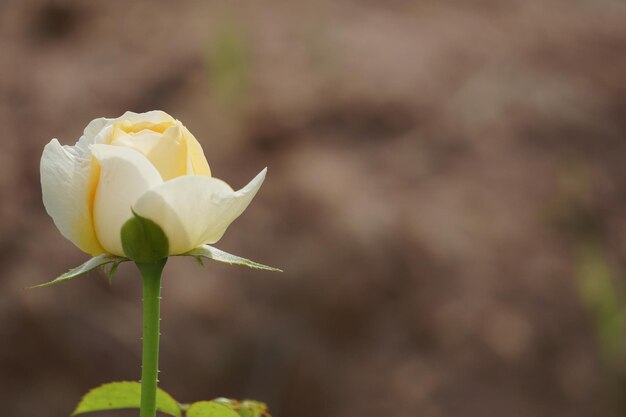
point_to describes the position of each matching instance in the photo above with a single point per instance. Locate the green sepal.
(210, 409)
(90, 265)
(112, 271)
(120, 395)
(143, 240)
(209, 252)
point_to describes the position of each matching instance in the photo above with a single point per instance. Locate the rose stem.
(151, 277)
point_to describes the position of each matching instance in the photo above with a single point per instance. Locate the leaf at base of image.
(90, 265)
(120, 395)
(209, 252)
(245, 408)
(210, 409)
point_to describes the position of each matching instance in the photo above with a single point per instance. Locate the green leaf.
(90, 265)
(209, 252)
(118, 395)
(210, 409)
(249, 408)
(143, 240)
(245, 408)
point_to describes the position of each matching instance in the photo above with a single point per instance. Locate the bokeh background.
(446, 195)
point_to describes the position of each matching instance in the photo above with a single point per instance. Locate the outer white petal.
(125, 175)
(67, 183)
(93, 133)
(95, 126)
(194, 210)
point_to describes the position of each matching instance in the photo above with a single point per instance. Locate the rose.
(146, 163)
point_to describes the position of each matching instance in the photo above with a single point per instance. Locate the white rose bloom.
(148, 163)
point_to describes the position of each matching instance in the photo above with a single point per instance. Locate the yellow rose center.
(162, 144)
(130, 128)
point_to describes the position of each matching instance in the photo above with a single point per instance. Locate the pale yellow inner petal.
(166, 150)
(197, 162)
(129, 127)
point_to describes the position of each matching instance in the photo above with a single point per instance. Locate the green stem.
(151, 277)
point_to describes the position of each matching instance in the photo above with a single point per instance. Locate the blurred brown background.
(446, 193)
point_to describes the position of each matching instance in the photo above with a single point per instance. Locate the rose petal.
(100, 130)
(196, 161)
(154, 117)
(68, 181)
(194, 210)
(125, 175)
(166, 151)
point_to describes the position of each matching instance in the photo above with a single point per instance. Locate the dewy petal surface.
(194, 210)
(125, 175)
(68, 182)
